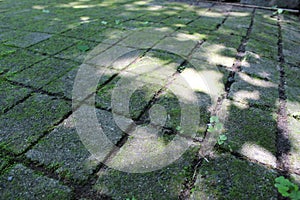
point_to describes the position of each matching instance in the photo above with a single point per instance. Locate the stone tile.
(11, 94)
(64, 151)
(207, 22)
(166, 182)
(251, 132)
(224, 38)
(53, 45)
(262, 68)
(253, 91)
(116, 57)
(50, 26)
(262, 49)
(28, 39)
(138, 92)
(26, 122)
(19, 60)
(6, 50)
(145, 38)
(77, 52)
(64, 85)
(23, 183)
(177, 45)
(215, 54)
(293, 99)
(294, 139)
(44, 72)
(224, 177)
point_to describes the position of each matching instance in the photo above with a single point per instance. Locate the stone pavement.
(152, 73)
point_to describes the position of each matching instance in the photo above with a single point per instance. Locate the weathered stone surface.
(226, 177)
(19, 60)
(215, 54)
(64, 151)
(294, 138)
(43, 73)
(27, 121)
(65, 84)
(22, 183)
(251, 132)
(177, 45)
(11, 94)
(253, 91)
(262, 68)
(145, 38)
(28, 38)
(53, 45)
(264, 50)
(164, 183)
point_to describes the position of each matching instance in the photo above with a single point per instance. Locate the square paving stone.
(10, 35)
(292, 76)
(5, 50)
(145, 38)
(262, 49)
(226, 177)
(19, 60)
(28, 39)
(50, 26)
(163, 183)
(290, 52)
(26, 122)
(64, 85)
(21, 182)
(251, 132)
(206, 23)
(116, 57)
(64, 151)
(53, 45)
(11, 94)
(224, 38)
(176, 45)
(262, 68)
(215, 54)
(77, 52)
(294, 139)
(253, 91)
(293, 99)
(138, 98)
(44, 72)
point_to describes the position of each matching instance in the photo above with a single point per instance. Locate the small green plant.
(287, 189)
(214, 124)
(117, 22)
(278, 11)
(222, 138)
(83, 48)
(131, 198)
(104, 22)
(181, 68)
(179, 129)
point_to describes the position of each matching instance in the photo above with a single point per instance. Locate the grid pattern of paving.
(251, 57)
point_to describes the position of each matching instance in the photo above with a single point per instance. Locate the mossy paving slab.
(139, 99)
(165, 183)
(251, 132)
(77, 52)
(27, 39)
(146, 37)
(5, 50)
(294, 138)
(293, 99)
(21, 182)
(11, 94)
(19, 60)
(180, 46)
(262, 49)
(26, 122)
(63, 150)
(253, 91)
(290, 52)
(44, 72)
(215, 54)
(64, 85)
(51, 26)
(53, 45)
(225, 177)
(262, 68)
(224, 38)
